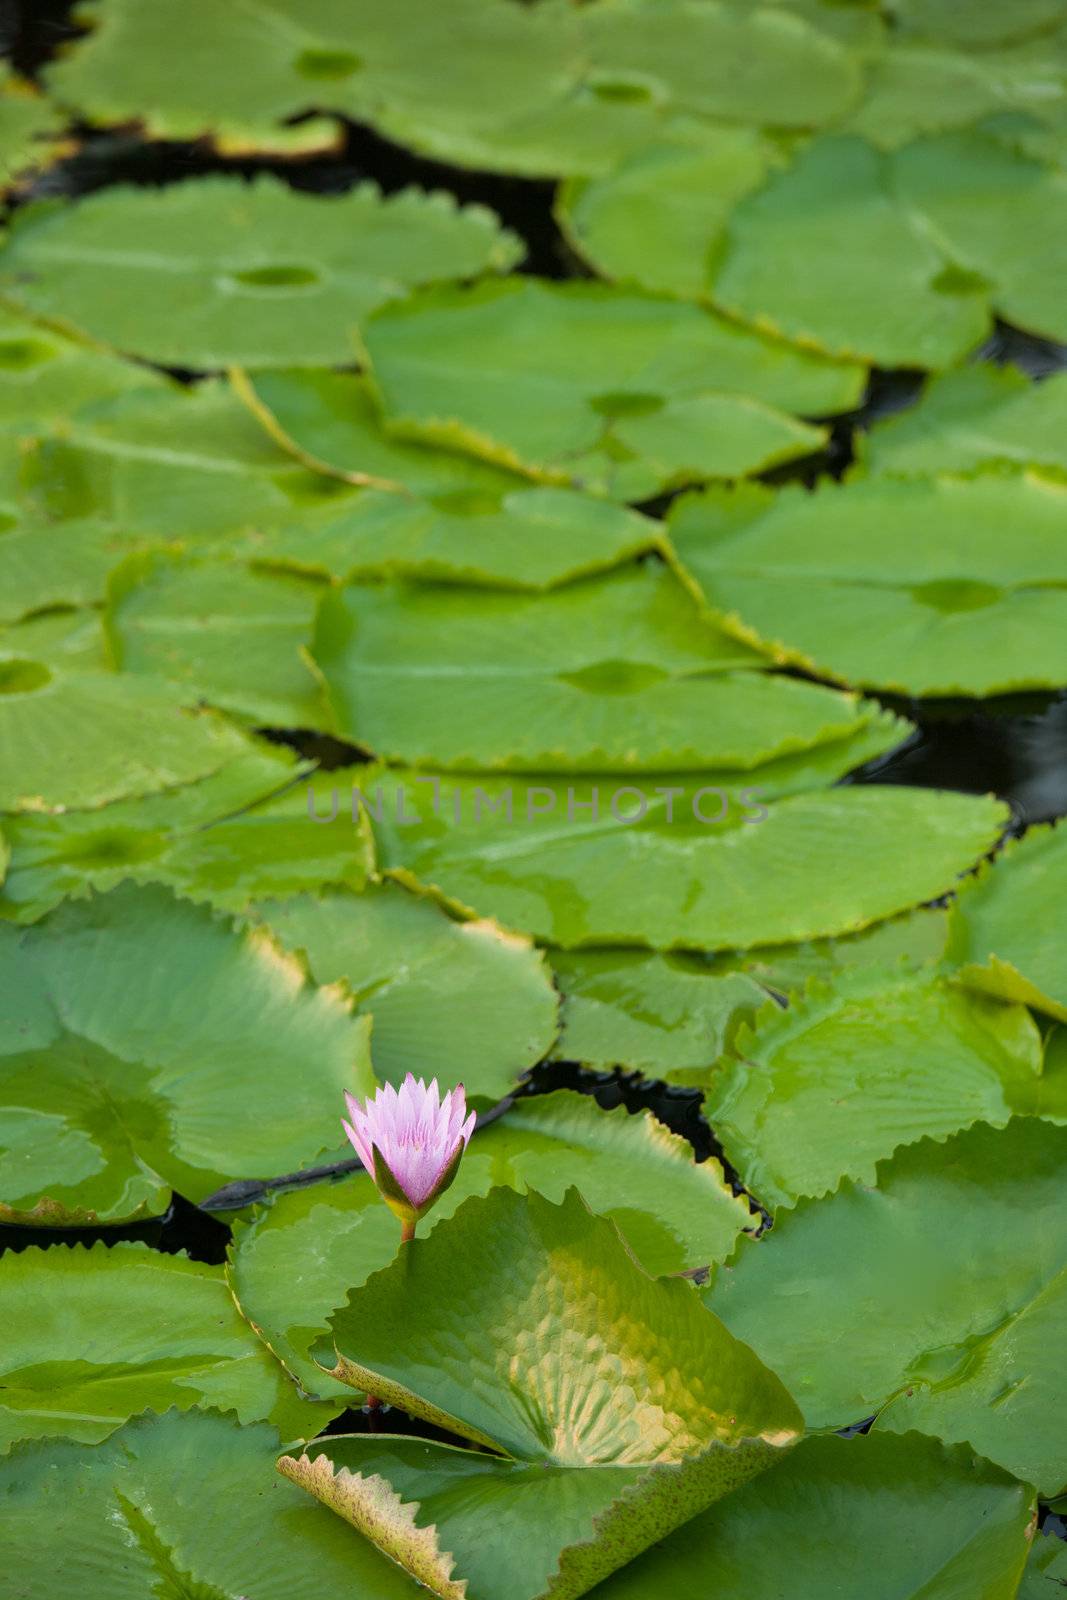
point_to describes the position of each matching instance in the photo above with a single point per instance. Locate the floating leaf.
(976, 415)
(729, 882)
(232, 636)
(935, 1281)
(135, 1023)
(538, 1373)
(1007, 930)
(92, 1336)
(851, 1071)
(489, 87)
(668, 1016)
(44, 564)
(181, 1503)
(613, 390)
(436, 989)
(1046, 1570)
(250, 274)
(976, 27)
(612, 674)
(906, 943)
(49, 378)
(293, 1264)
(232, 837)
(893, 1519)
(849, 583)
(30, 130)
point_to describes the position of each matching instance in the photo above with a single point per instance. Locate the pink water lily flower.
(410, 1140)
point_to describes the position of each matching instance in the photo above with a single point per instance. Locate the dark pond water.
(1015, 747)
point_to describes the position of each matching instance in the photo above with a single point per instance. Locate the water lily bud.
(411, 1142)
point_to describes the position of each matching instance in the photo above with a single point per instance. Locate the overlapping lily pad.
(536, 1374)
(617, 391)
(252, 275)
(932, 1289)
(30, 129)
(1007, 931)
(181, 1503)
(435, 988)
(115, 1089)
(93, 1336)
(293, 1264)
(1046, 1570)
(976, 415)
(613, 674)
(854, 1069)
(734, 880)
(667, 1015)
(852, 583)
(527, 91)
(893, 1519)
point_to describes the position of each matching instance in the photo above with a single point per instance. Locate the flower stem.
(407, 1232)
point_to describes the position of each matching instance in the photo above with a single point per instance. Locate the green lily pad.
(1006, 932)
(436, 989)
(736, 880)
(854, 1069)
(251, 274)
(186, 1503)
(611, 674)
(293, 1264)
(1046, 1569)
(906, 943)
(45, 564)
(225, 633)
(668, 1016)
(491, 87)
(604, 388)
(932, 1289)
(31, 130)
(977, 415)
(557, 1340)
(135, 1024)
(95, 1335)
(49, 378)
(229, 839)
(976, 27)
(849, 583)
(889, 1518)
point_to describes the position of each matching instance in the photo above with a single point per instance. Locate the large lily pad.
(293, 1264)
(45, 564)
(932, 1289)
(232, 636)
(665, 1015)
(231, 838)
(458, 1001)
(136, 1028)
(669, 881)
(848, 581)
(1007, 931)
(613, 674)
(889, 1518)
(606, 388)
(854, 1069)
(556, 1340)
(534, 90)
(94, 1336)
(248, 274)
(180, 1503)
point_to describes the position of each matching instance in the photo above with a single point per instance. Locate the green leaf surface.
(135, 1025)
(611, 674)
(848, 582)
(538, 90)
(934, 1280)
(49, 378)
(888, 1518)
(668, 1016)
(614, 390)
(251, 274)
(907, 943)
(1006, 934)
(1046, 1570)
(976, 27)
(182, 1504)
(294, 1262)
(30, 130)
(852, 1070)
(95, 1335)
(226, 634)
(45, 564)
(436, 989)
(557, 1338)
(976, 415)
(559, 874)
